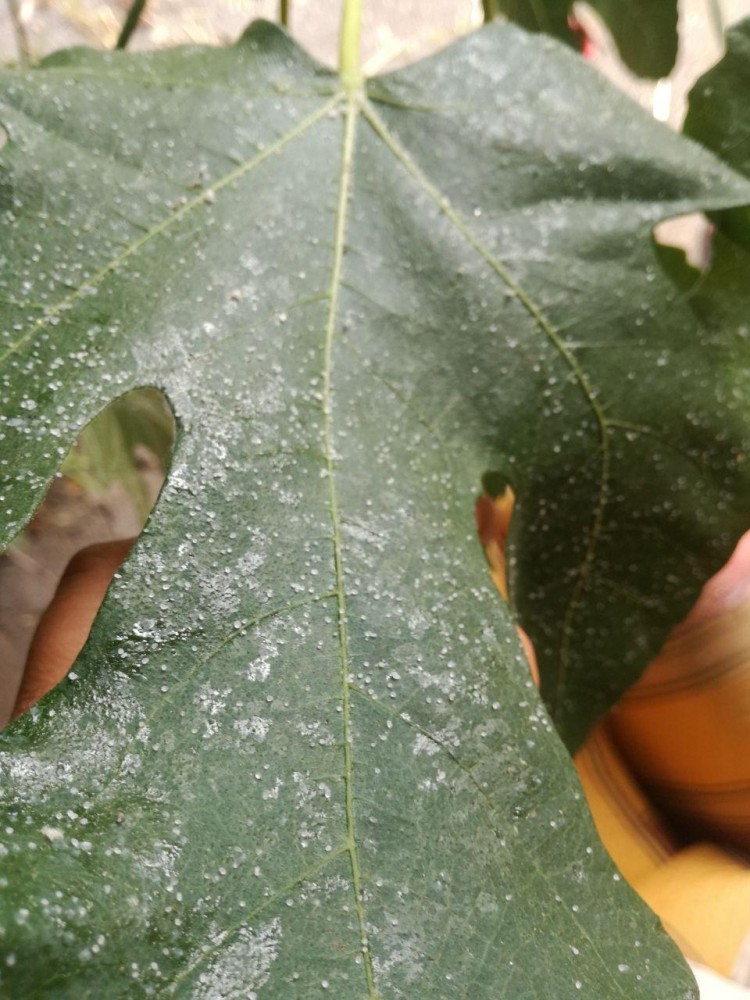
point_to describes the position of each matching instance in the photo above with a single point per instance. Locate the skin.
(67, 622)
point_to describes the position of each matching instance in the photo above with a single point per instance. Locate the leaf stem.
(717, 19)
(490, 9)
(130, 23)
(350, 67)
(285, 9)
(22, 40)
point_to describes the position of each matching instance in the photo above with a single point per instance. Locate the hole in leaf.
(692, 235)
(493, 511)
(54, 575)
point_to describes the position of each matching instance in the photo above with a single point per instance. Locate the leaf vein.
(132, 248)
(585, 568)
(252, 914)
(347, 162)
(495, 810)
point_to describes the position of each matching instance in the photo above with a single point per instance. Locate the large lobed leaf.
(301, 753)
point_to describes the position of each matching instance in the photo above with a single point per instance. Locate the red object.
(583, 42)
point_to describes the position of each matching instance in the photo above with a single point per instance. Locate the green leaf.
(549, 16)
(301, 755)
(645, 31)
(719, 117)
(718, 113)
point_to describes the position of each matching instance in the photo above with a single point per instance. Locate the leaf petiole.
(130, 23)
(22, 41)
(350, 67)
(490, 9)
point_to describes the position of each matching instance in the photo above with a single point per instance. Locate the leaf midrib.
(347, 162)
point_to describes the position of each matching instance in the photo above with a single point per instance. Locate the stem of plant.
(350, 66)
(717, 19)
(130, 23)
(490, 9)
(22, 41)
(284, 12)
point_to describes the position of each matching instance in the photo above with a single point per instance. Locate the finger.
(729, 588)
(67, 622)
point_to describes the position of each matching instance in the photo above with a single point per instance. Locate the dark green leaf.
(301, 755)
(719, 117)
(719, 111)
(549, 16)
(645, 31)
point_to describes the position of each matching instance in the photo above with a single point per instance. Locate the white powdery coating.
(260, 668)
(255, 727)
(401, 957)
(32, 775)
(430, 745)
(222, 592)
(243, 966)
(424, 745)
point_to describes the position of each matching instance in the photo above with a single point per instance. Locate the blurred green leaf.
(645, 31)
(719, 118)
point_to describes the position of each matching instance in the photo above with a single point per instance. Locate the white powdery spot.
(432, 785)
(398, 954)
(424, 745)
(31, 775)
(243, 967)
(317, 732)
(219, 594)
(270, 394)
(311, 799)
(255, 727)
(52, 833)
(246, 567)
(260, 667)
(418, 623)
(161, 864)
(430, 745)
(373, 540)
(212, 700)
(273, 792)
(447, 683)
